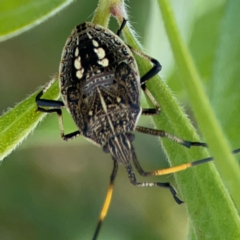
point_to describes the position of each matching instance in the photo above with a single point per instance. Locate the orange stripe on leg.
(106, 202)
(172, 169)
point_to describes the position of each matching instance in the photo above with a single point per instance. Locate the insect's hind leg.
(133, 180)
(107, 199)
(175, 168)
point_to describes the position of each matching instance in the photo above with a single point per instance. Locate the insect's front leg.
(156, 68)
(147, 76)
(55, 107)
(47, 102)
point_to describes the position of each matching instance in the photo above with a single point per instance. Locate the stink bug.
(100, 86)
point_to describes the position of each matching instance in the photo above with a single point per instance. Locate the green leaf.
(17, 16)
(205, 35)
(210, 209)
(18, 122)
(226, 72)
(203, 189)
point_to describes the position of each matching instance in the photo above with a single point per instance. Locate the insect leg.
(107, 199)
(161, 133)
(153, 71)
(175, 168)
(147, 76)
(185, 143)
(151, 111)
(47, 102)
(121, 27)
(156, 65)
(56, 108)
(65, 137)
(133, 180)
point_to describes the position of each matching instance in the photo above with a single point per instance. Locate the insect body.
(100, 86)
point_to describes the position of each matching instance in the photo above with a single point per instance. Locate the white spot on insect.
(79, 73)
(90, 113)
(116, 40)
(76, 52)
(77, 63)
(100, 52)
(95, 43)
(89, 35)
(97, 27)
(103, 62)
(118, 99)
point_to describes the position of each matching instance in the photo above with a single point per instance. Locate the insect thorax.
(99, 83)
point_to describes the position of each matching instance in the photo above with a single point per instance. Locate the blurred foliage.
(54, 190)
(19, 16)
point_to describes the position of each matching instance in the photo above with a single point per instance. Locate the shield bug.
(100, 86)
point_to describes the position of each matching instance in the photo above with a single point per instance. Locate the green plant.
(202, 188)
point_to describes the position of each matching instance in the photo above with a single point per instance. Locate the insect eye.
(131, 137)
(106, 149)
